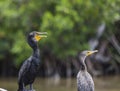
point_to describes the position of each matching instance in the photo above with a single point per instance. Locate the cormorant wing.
(24, 68)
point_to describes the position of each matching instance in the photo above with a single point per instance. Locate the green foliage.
(69, 23)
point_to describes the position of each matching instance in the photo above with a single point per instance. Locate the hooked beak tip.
(96, 51)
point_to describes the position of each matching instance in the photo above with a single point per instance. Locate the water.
(42, 84)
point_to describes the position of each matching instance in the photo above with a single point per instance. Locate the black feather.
(30, 67)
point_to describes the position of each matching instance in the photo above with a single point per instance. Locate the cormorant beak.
(91, 52)
(40, 35)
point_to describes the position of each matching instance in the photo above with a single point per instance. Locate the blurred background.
(72, 26)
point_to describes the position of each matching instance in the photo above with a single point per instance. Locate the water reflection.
(42, 84)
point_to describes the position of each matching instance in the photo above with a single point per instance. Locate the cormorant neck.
(36, 52)
(82, 62)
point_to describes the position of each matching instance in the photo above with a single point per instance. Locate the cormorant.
(84, 79)
(29, 68)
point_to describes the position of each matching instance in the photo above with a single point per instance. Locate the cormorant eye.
(31, 35)
(88, 52)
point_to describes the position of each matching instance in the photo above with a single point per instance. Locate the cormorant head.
(83, 55)
(34, 37)
(86, 53)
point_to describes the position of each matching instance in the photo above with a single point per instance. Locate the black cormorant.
(84, 79)
(29, 69)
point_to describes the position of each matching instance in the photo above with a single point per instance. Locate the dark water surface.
(42, 84)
